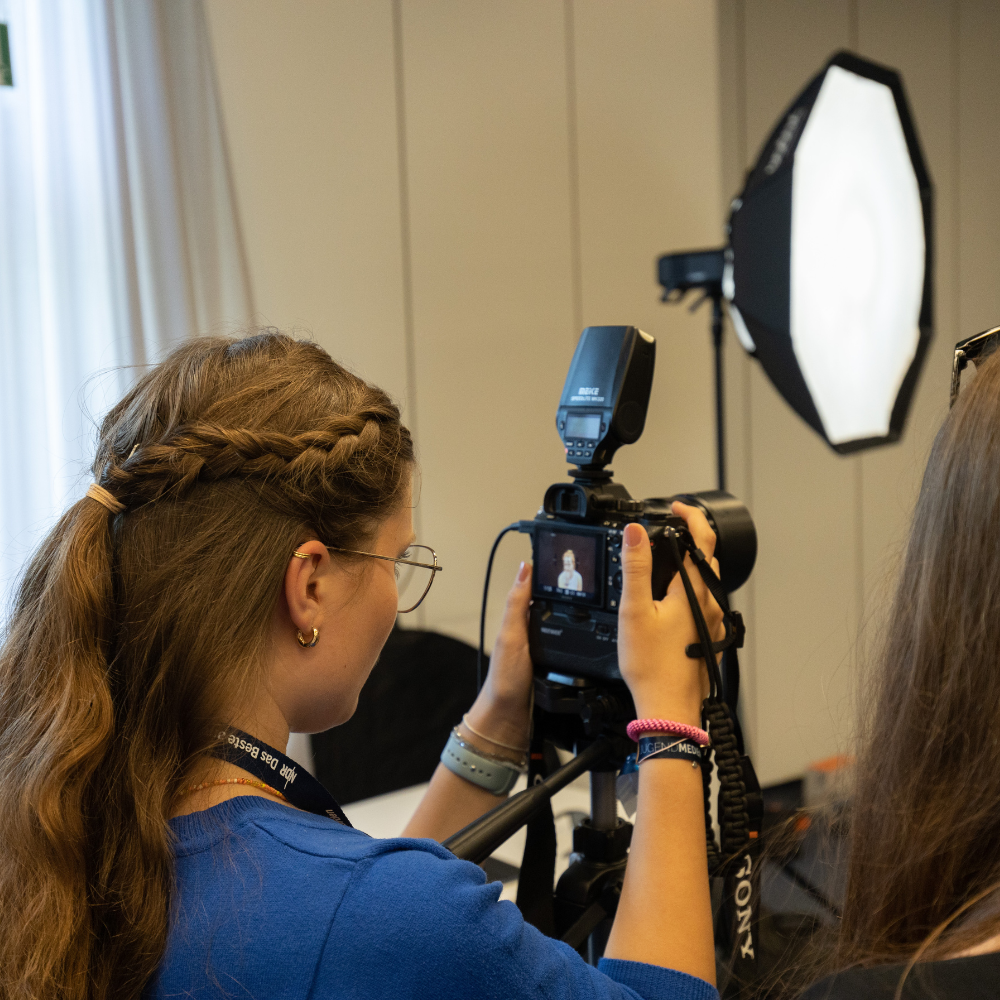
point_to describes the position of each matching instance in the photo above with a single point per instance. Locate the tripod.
(590, 717)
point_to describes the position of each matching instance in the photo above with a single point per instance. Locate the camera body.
(576, 536)
(577, 576)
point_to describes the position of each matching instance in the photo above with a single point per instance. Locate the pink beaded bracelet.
(639, 726)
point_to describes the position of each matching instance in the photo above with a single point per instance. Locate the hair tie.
(105, 498)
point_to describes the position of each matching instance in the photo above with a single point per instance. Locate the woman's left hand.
(502, 710)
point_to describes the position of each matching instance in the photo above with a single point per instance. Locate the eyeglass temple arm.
(406, 562)
(409, 562)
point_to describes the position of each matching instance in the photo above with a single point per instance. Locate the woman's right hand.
(652, 635)
(665, 913)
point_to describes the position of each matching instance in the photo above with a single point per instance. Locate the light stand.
(679, 273)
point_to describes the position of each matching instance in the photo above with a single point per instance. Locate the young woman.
(233, 565)
(922, 910)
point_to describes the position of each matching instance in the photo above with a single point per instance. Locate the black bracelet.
(669, 747)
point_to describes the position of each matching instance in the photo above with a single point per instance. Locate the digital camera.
(577, 535)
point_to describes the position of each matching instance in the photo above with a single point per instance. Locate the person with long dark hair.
(921, 916)
(229, 578)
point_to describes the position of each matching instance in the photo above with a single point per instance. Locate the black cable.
(811, 890)
(482, 613)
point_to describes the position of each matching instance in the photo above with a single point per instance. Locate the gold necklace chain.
(231, 781)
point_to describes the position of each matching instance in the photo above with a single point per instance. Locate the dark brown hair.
(130, 632)
(926, 814)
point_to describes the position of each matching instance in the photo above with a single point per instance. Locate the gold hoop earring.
(304, 642)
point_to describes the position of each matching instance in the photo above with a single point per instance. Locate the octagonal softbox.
(828, 270)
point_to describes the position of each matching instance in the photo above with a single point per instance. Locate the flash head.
(678, 273)
(606, 394)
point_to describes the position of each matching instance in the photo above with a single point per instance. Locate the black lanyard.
(278, 772)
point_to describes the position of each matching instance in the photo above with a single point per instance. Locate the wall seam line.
(404, 216)
(576, 261)
(406, 250)
(956, 166)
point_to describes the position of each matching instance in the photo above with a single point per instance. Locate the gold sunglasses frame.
(971, 349)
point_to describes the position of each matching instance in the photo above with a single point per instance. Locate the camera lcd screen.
(568, 566)
(584, 425)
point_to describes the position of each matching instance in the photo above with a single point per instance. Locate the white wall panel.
(977, 161)
(487, 136)
(649, 170)
(922, 47)
(805, 598)
(308, 96)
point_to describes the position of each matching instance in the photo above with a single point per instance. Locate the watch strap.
(496, 777)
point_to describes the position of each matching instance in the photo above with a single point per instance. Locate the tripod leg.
(603, 816)
(538, 871)
(538, 866)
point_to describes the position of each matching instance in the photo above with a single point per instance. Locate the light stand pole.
(679, 273)
(720, 393)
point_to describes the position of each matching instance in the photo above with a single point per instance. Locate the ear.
(305, 579)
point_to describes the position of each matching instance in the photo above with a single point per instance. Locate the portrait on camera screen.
(566, 564)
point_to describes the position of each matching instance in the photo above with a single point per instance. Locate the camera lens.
(736, 548)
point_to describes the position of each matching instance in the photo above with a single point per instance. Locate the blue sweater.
(274, 903)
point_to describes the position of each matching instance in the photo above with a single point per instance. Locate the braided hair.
(131, 631)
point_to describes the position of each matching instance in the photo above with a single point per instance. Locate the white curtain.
(118, 231)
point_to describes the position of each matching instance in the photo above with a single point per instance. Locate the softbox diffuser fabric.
(828, 271)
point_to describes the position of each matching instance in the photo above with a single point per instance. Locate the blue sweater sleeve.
(415, 923)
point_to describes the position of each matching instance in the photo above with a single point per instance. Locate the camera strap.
(735, 629)
(277, 771)
(741, 806)
(741, 898)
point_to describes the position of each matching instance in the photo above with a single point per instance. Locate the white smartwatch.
(497, 777)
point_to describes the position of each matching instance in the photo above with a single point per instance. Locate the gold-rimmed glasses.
(415, 572)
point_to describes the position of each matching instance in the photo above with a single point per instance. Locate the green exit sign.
(6, 76)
